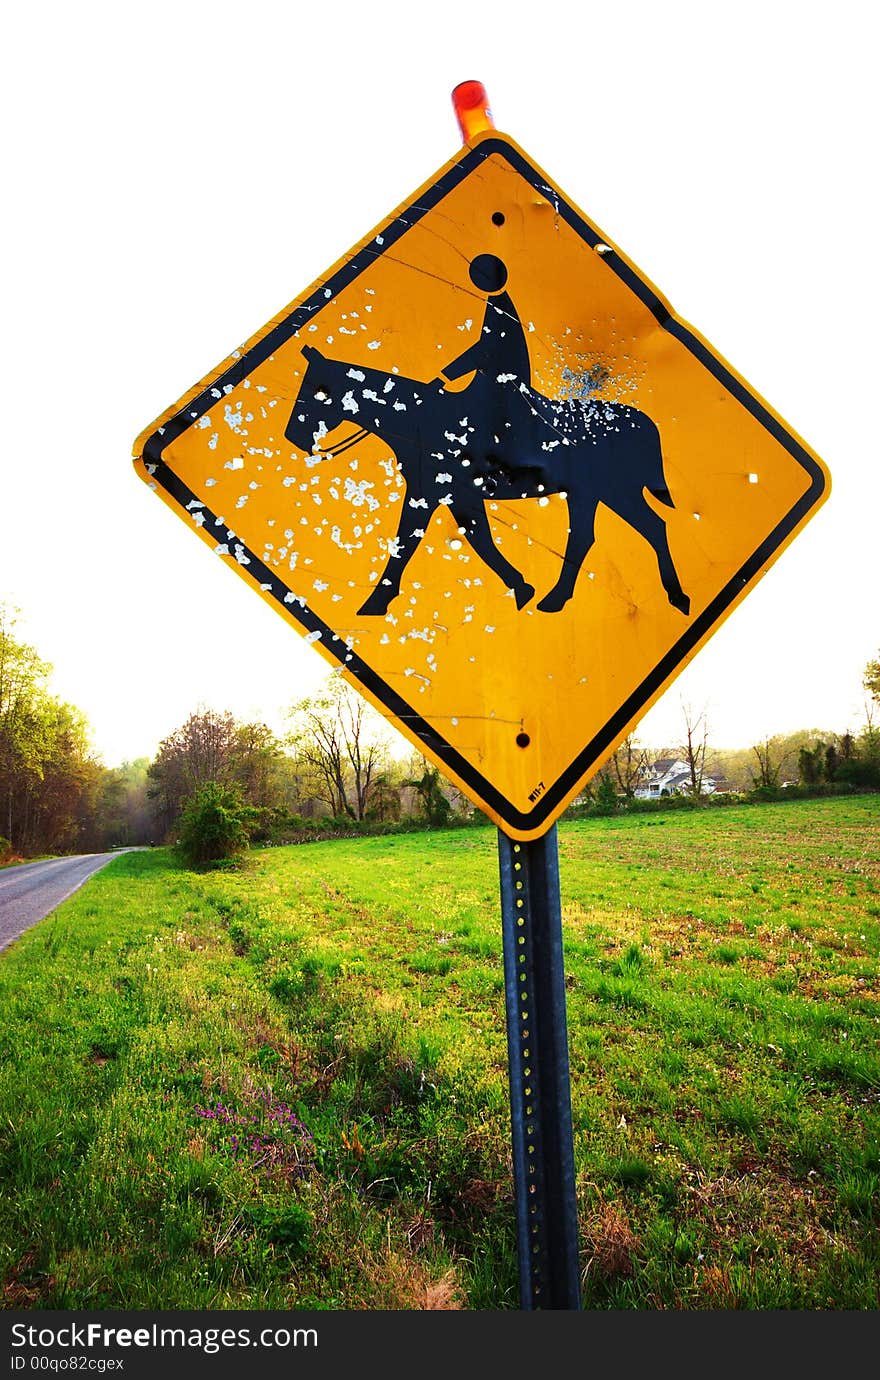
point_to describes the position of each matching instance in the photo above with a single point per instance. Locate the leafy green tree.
(871, 679)
(197, 752)
(214, 747)
(861, 765)
(811, 764)
(385, 804)
(123, 813)
(49, 780)
(22, 686)
(606, 792)
(770, 758)
(62, 796)
(433, 803)
(257, 765)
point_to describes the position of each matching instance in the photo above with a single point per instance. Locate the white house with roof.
(670, 776)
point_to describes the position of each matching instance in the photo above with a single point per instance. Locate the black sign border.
(543, 812)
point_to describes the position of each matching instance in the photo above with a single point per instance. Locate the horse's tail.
(647, 457)
(656, 485)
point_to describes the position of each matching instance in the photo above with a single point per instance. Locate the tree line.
(336, 767)
(55, 796)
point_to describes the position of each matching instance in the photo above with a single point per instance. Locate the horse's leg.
(408, 537)
(581, 535)
(472, 518)
(652, 527)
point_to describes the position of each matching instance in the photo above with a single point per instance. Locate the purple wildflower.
(278, 1139)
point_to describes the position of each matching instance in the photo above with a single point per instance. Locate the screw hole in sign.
(522, 740)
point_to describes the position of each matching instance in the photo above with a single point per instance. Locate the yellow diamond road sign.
(485, 469)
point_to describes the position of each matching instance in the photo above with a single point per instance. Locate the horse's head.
(317, 407)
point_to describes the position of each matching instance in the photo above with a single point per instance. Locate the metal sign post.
(540, 1089)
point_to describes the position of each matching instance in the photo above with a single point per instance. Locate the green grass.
(285, 1086)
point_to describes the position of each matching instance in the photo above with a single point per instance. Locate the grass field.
(285, 1086)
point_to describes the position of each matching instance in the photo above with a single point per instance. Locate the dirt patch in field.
(757, 1205)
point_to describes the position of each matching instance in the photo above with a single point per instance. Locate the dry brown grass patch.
(24, 1286)
(420, 1231)
(399, 1280)
(609, 1243)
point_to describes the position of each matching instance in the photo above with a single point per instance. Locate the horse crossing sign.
(487, 471)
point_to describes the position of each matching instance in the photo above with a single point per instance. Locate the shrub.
(215, 824)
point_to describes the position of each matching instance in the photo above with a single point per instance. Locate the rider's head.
(488, 273)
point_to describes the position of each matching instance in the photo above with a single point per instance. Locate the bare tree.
(336, 737)
(629, 766)
(695, 747)
(769, 765)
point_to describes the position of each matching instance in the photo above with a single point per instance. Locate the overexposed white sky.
(175, 174)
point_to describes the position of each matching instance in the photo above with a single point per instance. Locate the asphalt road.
(29, 892)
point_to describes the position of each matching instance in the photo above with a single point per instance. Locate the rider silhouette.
(500, 348)
(500, 359)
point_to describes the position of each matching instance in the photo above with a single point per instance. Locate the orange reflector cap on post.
(472, 109)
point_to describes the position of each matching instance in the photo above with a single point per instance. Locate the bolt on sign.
(485, 469)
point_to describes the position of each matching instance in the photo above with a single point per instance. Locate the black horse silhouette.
(497, 439)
